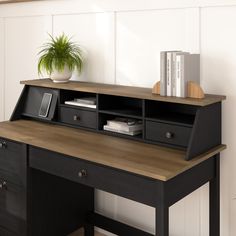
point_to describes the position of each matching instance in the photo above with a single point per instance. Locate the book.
(163, 73)
(170, 72)
(86, 100)
(131, 133)
(187, 69)
(125, 125)
(79, 104)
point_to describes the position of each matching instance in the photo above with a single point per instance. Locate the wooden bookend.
(156, 88)
(195, 90)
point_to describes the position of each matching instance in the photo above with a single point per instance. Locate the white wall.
(123, 40)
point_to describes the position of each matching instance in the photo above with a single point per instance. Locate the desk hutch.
(49, 167)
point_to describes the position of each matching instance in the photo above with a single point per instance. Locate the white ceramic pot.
(61, 76)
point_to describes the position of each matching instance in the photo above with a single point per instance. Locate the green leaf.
(59, 52)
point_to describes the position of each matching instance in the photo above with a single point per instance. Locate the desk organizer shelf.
(168, 121)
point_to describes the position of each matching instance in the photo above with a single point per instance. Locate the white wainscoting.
(1, 69)
(95, 31)
(23, 39)
(218, 50)
(123, 40)
(140, 36)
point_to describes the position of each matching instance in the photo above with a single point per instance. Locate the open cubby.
(103, 118)
(172, 113)
(67, 95)
(123, 106)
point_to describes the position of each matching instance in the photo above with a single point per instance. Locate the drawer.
(12, 207)
(122, 183)
(13, 162)
(167, 133)
(78, 117)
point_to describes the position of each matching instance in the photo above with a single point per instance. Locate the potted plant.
(59, 58)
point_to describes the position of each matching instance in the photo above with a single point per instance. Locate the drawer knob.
(3, 185)
(76, 118)
(169, 135)
(82, 173)
(3, 144)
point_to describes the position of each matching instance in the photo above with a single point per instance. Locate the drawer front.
(167, 133)
(12, 208)
(13, 162)
(112, 180)
(78, 117)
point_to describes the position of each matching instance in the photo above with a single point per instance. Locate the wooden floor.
(81, 233)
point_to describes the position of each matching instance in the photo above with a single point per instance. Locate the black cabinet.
(13, 166)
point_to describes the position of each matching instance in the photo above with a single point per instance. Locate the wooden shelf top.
(140, 158)
(125, 91)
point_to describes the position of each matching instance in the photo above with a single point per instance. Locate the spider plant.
(58, 53)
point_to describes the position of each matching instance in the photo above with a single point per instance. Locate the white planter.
(61, 76)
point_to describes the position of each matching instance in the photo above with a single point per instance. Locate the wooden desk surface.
(140, 158)
(126, 91)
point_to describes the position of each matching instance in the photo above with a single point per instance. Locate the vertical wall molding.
(2, 68)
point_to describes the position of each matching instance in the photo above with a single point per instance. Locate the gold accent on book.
(194, 90)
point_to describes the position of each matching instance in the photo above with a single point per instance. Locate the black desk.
(50, 166)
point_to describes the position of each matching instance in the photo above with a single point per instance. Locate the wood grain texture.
(140, 158)
(126, 91)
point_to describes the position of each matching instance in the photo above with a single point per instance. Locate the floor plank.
(81, 233)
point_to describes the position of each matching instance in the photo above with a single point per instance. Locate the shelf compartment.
(120, 105)
(103, 118)
(66, 95)
(171, 113)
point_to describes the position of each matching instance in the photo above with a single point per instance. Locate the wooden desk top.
(125, 91)
(140, 158)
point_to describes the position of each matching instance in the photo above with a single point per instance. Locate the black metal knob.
(82, 173)
(3, 185)
(169, 135)
(76, 118)
(3, 144)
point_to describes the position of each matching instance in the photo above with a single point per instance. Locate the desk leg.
(215, 200)
(162, 221)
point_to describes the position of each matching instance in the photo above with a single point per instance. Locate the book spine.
(178, 76)
(173, 74)
(168, 74)
(163, 73)
(183, 82)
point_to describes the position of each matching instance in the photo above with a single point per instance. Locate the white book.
(86, 100)
(124, 126)
(73, 103)
(131, 133)
(188, 69)
(168, 74)
(163, 73)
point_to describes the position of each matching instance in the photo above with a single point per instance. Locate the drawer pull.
(3, 144)
(76, 118)
(3, 185)
(169, 135)
(82, 173)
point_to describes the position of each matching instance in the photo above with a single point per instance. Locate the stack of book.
(176, 69)
(89, 102)
(124, 126)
